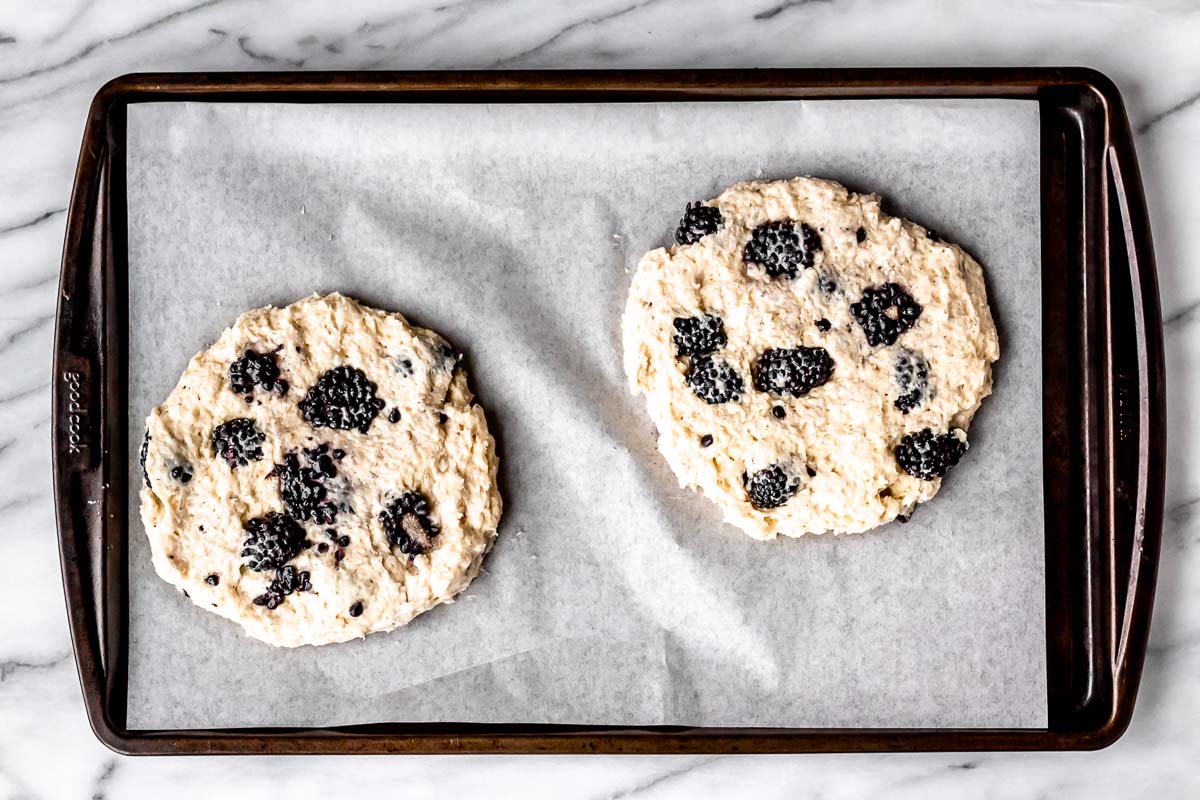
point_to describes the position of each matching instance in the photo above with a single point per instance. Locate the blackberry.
(912, 377)
(927, 455)
(860, 235)
(782, 247)
(407, 524)
(706, 440)
(698, 221)
(287, 581)
(319, 459)
(779, 412)
(238, 441)
(181, 473)
(885, 313)
(394, 416)
(342, 398)
(771, 487)
(714, 381)
(356, 609)
(142, 458)
(254, 369)
(794, 372)
(271, 541)
(824, 325)
(302, 489)
(697, 336)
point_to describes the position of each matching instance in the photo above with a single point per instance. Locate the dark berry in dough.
(860, 235)
(698, 221)
(271, 541)
(255, 369)
(287, 581)
(927, 455)
(238, 442)
(771, 487)
(142, 458)
(706, 440)
(342, 398)
(356, 609)
(779, 412)
(394, 416)
(446, 357)
(824, 325)
(827, 284)
(181, 473)
(213, 580)
(325, 466)
(714, 381)
(782, 247)
(697, 336)
(408, 525)
(795, 371)
(912, 377)
(885, 312)
(302, 489)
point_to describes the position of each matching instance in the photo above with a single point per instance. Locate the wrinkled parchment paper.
(612, 596)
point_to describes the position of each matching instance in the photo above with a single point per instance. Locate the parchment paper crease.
(612, 596)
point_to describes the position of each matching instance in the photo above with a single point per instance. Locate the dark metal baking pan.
(1103, 410)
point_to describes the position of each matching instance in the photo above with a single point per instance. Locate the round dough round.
(798, 345)
(320, 473)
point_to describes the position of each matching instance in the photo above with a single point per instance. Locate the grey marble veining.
(53, 57)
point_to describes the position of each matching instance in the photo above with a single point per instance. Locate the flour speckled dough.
(821, 457)
(377, 513)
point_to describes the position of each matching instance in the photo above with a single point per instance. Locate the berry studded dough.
(811, 363)
(320, 473)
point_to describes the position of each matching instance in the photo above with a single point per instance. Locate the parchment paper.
(612, 595)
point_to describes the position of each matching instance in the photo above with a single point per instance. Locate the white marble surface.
(54, 54)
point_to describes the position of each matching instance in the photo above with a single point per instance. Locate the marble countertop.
(54, 54)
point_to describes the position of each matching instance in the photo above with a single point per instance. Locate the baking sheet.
(612, 596)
